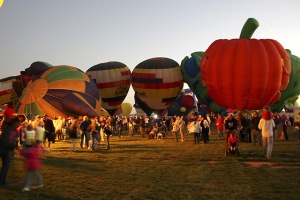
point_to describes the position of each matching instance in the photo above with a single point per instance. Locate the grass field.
(139, 168)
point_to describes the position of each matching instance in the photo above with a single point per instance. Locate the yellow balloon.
(182, 109)
(126, 109)
(1, 2)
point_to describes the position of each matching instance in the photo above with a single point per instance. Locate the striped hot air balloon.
(61, 91)
(113, 82)
(156, 82)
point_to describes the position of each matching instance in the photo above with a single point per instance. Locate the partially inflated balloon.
(61, 91)
(156, 82)
(113, 82)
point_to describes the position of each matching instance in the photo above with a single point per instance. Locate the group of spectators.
(39, 132)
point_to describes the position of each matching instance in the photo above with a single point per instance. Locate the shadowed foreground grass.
(139, 168)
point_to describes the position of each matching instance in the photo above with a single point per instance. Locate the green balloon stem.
(249, 28)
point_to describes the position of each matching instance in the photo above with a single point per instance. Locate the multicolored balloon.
(156, 82)
(113, 82)
(184, 104)
(60, 91)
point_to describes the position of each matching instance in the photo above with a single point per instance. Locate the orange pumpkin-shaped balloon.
(245, 73)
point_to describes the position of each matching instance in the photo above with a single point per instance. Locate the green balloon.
(292, 91)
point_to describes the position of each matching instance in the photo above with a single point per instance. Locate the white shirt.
(267, 127)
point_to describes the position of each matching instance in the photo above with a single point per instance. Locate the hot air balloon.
(184, 104)
(125, 109)
(245, 73)
(60, 91)
(113, 82)
(156, 82)
(292, 91)
(190, 68)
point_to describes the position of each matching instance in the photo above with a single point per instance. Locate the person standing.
(74, 133)
(194, 128)
(266, 124)
(49, 131)
(277, 119)
(85, 132)
(7, 144)
(284, 122)
(220, 126)
(181, 128)
(175, 129)
(142, 125)
(119, 126)
(255, 132)
(95, 133)
(205, 129)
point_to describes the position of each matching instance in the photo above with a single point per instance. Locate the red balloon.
(187, 101)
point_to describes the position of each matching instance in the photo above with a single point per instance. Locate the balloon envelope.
(156, 82)
(61, 91)
(113, 82)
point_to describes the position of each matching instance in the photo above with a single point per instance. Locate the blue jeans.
(268, 146)
(29, 175)
(196, 138)
(86, 135)
(95, 137)
(176, 135)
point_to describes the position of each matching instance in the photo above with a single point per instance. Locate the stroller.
(162, 131)
(232, 144)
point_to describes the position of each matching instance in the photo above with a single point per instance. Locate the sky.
(85, 33)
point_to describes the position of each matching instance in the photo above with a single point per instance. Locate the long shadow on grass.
(72, 163)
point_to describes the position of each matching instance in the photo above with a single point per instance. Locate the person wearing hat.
(266, 124)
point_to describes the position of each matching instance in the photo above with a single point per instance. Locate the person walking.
(266, 124)
(7, 144)
(33, 165)
(255, 132)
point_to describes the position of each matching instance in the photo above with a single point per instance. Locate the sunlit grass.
(139, 168)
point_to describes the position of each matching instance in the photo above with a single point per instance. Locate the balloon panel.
(61, 91)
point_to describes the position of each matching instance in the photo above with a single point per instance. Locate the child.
(30, 136)
(40, 133)
(232, 142)
(33, 164)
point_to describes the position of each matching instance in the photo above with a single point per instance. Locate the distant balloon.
(183, 109)
(61, 91)
(7, 93)
(184, 104)
(37, 68)
(156, 82)
(125, 109)
(113, 82)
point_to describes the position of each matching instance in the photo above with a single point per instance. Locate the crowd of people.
(37, 134)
